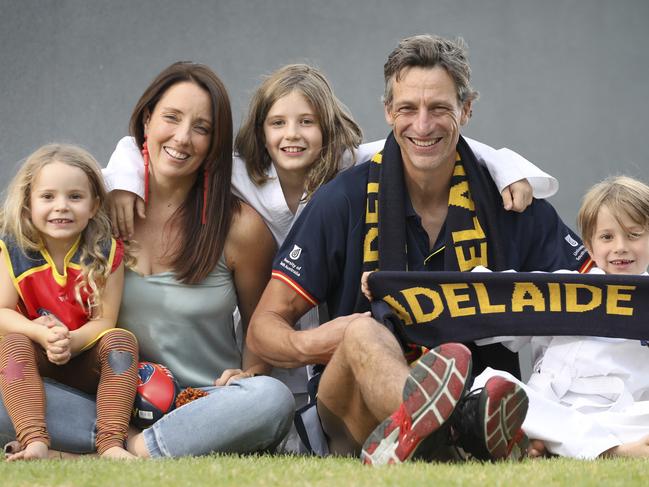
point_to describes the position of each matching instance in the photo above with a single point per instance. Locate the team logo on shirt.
(47, 312)
(571, 240)
(295, 253)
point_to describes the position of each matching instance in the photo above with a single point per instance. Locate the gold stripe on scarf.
(470, 243)
(371, 240)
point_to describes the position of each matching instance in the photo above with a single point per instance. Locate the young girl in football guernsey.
(61, 279)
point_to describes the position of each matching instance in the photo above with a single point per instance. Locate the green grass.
(287, 471)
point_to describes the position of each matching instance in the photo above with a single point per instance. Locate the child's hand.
(55, 339)
(517, 196)
(365, 288)
(45, 319)
(123, 205)
(45, 333)
(59, 351)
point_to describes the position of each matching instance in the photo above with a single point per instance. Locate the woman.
(199, 253)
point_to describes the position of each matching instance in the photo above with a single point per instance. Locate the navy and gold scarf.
(438, 307)
(472, 237)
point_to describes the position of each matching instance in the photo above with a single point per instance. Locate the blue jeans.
(248, 416)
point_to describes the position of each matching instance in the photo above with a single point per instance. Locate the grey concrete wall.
(562, 81)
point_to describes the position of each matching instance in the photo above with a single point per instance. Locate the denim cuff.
(152, 443)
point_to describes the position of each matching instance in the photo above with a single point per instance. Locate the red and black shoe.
(487, 422)
(434, 387)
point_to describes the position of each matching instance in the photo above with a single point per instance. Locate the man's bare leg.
(369, 394)
(362, 383)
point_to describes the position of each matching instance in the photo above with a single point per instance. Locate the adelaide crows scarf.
(471, 236)
(430, 308)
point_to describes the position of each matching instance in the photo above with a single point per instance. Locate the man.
(422, 204)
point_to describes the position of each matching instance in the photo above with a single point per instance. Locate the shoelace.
(403, 419)
(463, 428)
(463, 409)
(462, 418)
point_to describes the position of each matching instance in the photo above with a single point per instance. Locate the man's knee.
(339, 387)
(364, 333)
(361, 330)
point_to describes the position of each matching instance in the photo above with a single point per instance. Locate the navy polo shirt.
(322, 256)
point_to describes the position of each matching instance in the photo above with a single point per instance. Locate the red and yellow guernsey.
(45, 291)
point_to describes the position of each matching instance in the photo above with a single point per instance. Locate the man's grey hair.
(428, 51)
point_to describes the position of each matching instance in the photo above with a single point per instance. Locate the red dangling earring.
(204, 212)
(145, 156)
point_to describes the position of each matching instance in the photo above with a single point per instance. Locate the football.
(156, 394)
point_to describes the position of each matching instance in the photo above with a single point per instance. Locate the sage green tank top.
(188, 328)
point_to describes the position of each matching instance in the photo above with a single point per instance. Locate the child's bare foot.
(536, 449)
(117, 453)
(135, 443)
(37, 450)
(634, 449)
(12, 447)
